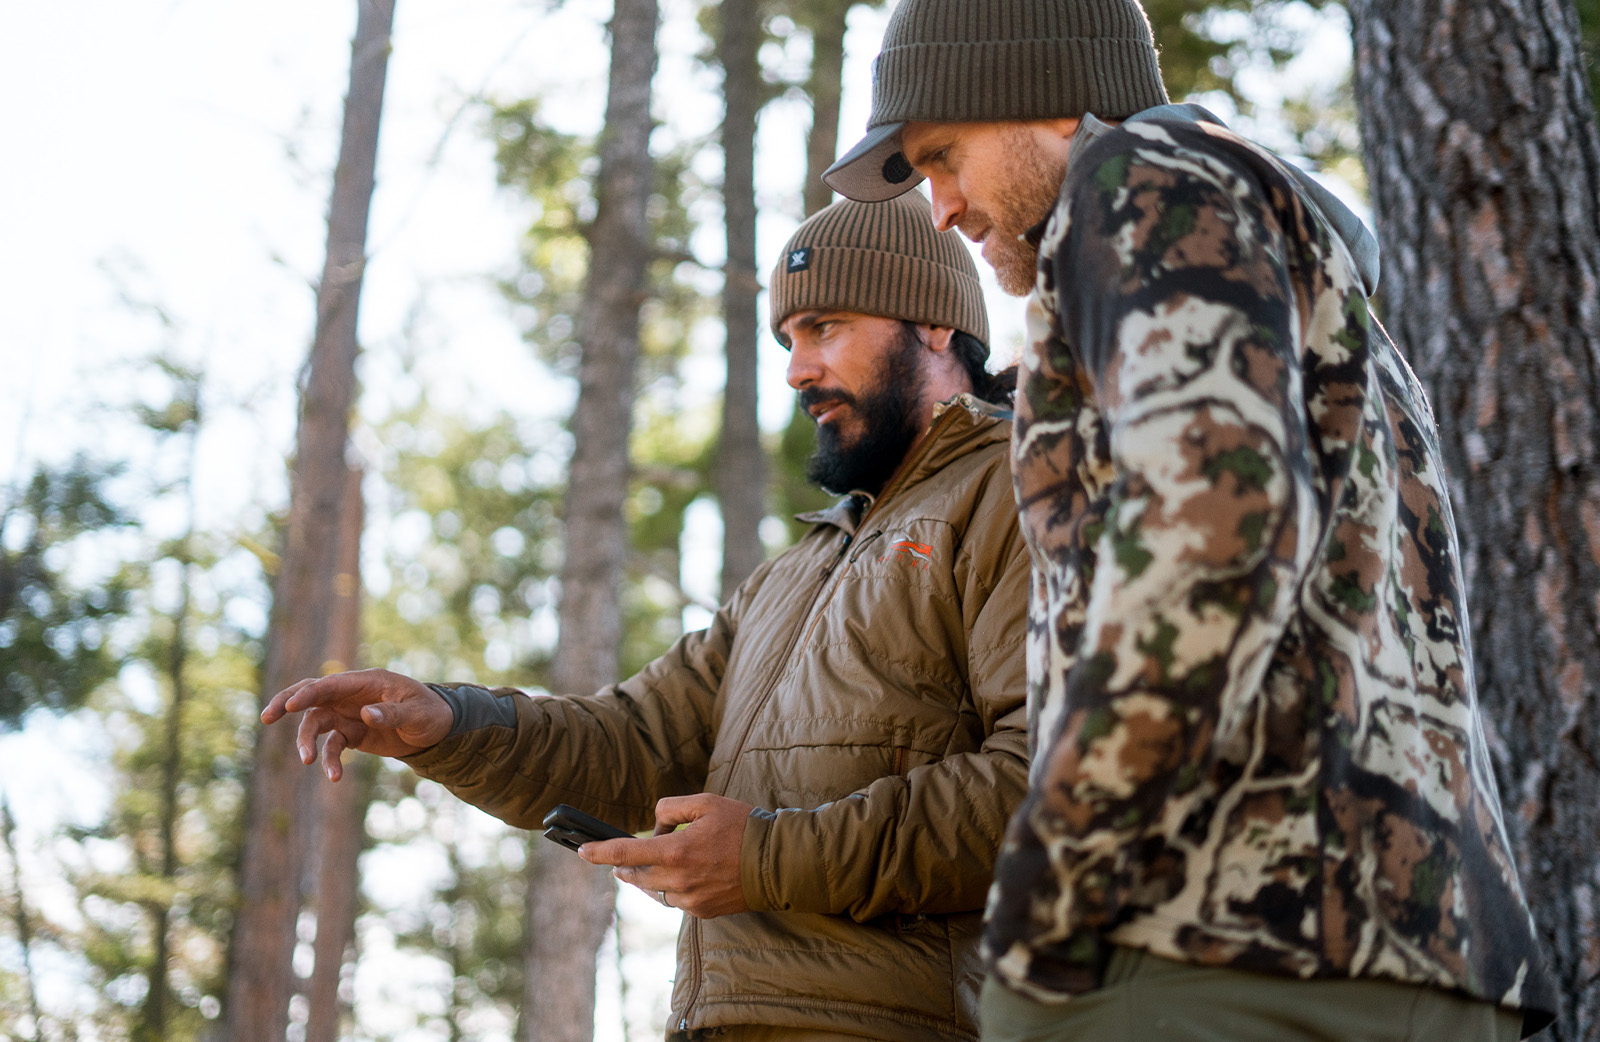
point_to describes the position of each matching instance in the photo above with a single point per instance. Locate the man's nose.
(949, 205)
(803, 369)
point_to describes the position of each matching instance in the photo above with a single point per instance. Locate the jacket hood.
(1344, 223)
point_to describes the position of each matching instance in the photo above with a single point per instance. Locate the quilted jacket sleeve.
(613, 753)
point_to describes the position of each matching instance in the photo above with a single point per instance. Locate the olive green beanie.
(880, 259)
(959, 61)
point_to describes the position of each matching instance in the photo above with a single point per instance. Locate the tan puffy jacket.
(865, 689)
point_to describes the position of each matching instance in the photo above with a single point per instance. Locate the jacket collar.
(961, 425)
(1345, 224)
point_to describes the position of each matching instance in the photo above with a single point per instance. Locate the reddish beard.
(1022, 201)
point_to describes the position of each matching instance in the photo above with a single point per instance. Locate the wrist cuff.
(476, 707)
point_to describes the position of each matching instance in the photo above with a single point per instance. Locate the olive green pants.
(1148, 998)
(766, 1033)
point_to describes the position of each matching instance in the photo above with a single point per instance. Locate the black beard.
(887, 410)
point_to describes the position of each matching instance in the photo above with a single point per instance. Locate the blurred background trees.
(562, 542)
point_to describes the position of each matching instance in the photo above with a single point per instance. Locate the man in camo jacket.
(1261, 804)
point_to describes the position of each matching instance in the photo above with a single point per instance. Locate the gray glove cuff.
(476, 707)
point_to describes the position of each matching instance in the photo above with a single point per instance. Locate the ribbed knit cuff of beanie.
(881, 259)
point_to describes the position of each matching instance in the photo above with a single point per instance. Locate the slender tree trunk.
(24, 925)
(1484, 159)
(825, 85)
(570, 903)
(456, 1011)
(341, 808)
(741, 471)
(158, 999)
(261, 978)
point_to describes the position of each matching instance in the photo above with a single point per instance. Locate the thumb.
(396, 715)
(379, 715)
(417, 712)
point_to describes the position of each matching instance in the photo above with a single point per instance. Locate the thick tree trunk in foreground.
(261, 978)
(570, 902)
(741, 465)
(1484, 159)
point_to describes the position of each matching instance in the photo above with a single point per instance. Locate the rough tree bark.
(570, 903)
(1484, 159)
(827, 21)
(341, 809)
(261, 978)
(741, 469)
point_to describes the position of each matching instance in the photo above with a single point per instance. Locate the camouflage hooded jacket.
(1256, 734)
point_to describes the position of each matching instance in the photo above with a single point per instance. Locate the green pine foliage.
(176, 706)
(54, 627)
(464, 522)
(119, 874)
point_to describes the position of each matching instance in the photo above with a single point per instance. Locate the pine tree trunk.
(570, 903)
(1484, 159)
(341, 807)
(158, 996)
(261, 978)
(825, 85)
(741, 470)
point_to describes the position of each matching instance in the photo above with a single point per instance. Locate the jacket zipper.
(810, 622)
(807, 623)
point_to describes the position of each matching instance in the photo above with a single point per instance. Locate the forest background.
(166, 193)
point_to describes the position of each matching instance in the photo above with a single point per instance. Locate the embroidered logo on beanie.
(799, 260)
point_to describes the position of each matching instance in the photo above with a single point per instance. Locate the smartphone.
(572, 828)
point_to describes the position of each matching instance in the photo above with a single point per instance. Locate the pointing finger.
(361, 684)
(275, 710)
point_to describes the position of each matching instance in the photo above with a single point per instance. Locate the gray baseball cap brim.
(875, 170)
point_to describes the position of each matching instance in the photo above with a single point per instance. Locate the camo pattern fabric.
(1257, 735)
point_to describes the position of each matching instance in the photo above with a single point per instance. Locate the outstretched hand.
(371, 710)
(696, 868)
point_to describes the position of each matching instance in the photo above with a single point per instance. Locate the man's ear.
(937, 338)
(1063, 127)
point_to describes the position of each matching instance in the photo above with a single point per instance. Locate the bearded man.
(847, 739)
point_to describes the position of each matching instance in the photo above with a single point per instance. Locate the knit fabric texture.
(881, 259)
(985, 60)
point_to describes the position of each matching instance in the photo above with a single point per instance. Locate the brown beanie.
(957, 61)
(879, 259)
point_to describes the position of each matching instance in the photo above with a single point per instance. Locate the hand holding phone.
(572, 828)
